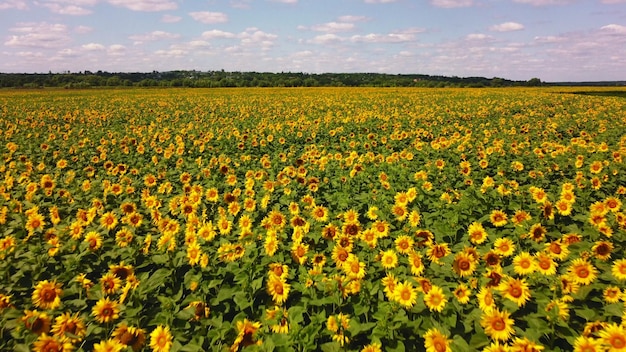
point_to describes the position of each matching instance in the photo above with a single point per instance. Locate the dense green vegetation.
(216, 79)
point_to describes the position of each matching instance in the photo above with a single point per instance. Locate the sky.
(554, 40)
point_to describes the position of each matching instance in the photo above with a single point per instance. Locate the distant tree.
(533, 82)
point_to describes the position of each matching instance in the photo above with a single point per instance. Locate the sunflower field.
(321, 219)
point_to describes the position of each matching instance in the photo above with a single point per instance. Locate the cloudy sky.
(555, 40)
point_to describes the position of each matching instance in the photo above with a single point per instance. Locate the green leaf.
(586, 313)
(459, 344)
(331, 347)
(479, 339)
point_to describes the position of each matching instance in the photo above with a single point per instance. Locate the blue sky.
(555, 40)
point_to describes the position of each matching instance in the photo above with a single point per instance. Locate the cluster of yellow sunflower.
(322, 219)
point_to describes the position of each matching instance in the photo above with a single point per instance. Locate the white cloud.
(352, 19)
(116, 50)
(170, 19)
(93, 47)
(383, 38)
(333, 27)
(13, 4)
(208, 17)
(217, 34)
(507, 27)
(39, 35)
(544, 2)
(145, 5)
(255, 37)
(613, 2)
(614, 28)
(477, 36)
(548, 39)
(68, 7)
(286, 1)
(449, 4)
(326, 39)
(153, 36)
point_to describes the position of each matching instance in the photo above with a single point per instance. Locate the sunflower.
(619, 269)
(485, 299)
(524, 264)
(582, 272)
(278, 289)
(602, 250)
(72, 325)
(319, 213)
(464, 264)
(436, 341)
(516, 290)
(105, 310)
(130, 336)
(587, 344)
(47, 343)
(496, 346)
(110, 283)
(246, 334)
(35, 221)
(520, 216)
(612, 294)
(437, 251)
(37, 322)
(563, 207)
(435, 299)
(354, 268)
(47, 295)
(389, 285)
(194, 253)
(161, 339)
(558, 249)
(381, 228)
(497, 324)
(372, 347)
(537, 233)
(110, 345)
(94, 240)
(108, 220)
(404, 244)
(504, 247)
(477, 233)
(545, 264)
(613, 204)
(613, 337)
(405, 294)
(462, 293)
(498, 218)
(416, 264)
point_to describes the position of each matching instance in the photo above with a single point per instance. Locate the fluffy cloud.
(145, 5)
(507, 27)
(68, 7)
(217, 34)
(13, 4)
(614, 28)
(449, 4)
(208, 17)
(352, 19)
(39, 35)
(152, 36)
(544, 2)
(332, 27)
(326, 39)
(93, 47)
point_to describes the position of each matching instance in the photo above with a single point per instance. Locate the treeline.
(218, 79)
